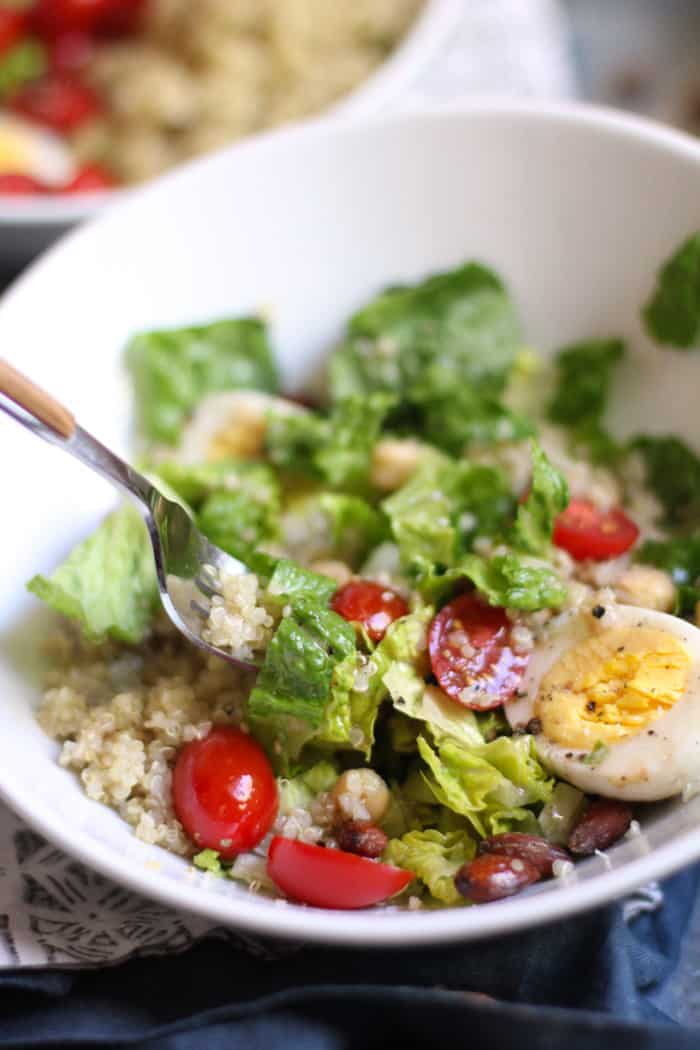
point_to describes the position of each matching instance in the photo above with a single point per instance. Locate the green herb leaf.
(208, 860)
(173, 370)
(596, 756)
(548, 496)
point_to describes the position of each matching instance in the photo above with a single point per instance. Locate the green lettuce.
(508, 580)
(584, 376)
(286, 708)
(108, 582)
(300, 791)
(454, 328)
(459, 417)
(336, 449)
(435, 858)
(673, 475)
(680, 558)
(672, 314)
(174, 369)
(492, 785)
(22, 63)
(548, 496)
(333, 525)
(196, 482)
(411, 697)
(290, 582)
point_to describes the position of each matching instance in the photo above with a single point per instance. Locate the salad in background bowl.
(540, 508)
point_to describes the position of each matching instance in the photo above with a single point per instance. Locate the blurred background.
(99, 95)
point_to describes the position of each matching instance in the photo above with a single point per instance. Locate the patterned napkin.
(53, 910)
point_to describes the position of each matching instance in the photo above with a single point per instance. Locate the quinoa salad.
(467, 641)
(130, 88)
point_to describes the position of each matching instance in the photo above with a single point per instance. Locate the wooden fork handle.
(36, 401)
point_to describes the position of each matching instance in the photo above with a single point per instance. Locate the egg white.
(660, 760)
(28, 150)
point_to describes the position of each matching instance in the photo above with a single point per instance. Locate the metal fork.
(188, 566)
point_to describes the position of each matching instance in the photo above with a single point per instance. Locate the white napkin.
(53, 910)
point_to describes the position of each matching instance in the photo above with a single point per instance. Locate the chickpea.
(647, 587)
(360, 794)
(394, 460)
(336, 570)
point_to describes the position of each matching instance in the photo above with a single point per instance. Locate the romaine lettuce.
(672, 315)
(673, 474)
(548, 496)
(435, 858)
(584, 375)
(173, 369)
(108, 582)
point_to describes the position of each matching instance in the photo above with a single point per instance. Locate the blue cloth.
(584, 984)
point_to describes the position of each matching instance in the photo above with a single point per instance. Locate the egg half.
(613, 702)
(231, 425)
(28, 150)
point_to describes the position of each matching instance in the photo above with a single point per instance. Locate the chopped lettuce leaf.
(434, 858)
(681, 559)
(403, 734)
(332, 525)
(411, 697)
(196, 482)
(108, 582)
(461, 417)
(290, 582)
(672, 315)
(336, 449)
(491, 785)
(299, 791)
(420, 341)
(22, 63)
(584, 375)
(288, 704)
(174, 369)
(548, 496)
(208, 860)
(439, 511)
(235, 522)
(673, 474)
(506, 580)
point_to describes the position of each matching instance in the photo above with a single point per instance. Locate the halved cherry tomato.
(369, 604)
(21, 184)
(88, 179)
(330, 878)
(224, 791)
(585, 531)
(57, 100)
(70, 52)
(53, 17)
(13, 25)
(470, 653)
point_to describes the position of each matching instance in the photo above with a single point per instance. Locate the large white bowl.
(28, 226)
(575, 207)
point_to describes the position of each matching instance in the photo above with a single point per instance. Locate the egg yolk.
(242, 438)
(612, 686)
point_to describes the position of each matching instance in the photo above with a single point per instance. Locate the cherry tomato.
(469, 650)
(50, 18)
(224, 791)
(369, 604)
(88, 179)
(13, 25)
(330, 878)
(70, 52)
(585, 531)
(57, 100)
(21, 184)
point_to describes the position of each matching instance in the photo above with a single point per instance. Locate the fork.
(188, 566)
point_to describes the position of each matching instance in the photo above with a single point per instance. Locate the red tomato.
(224, 791)
(469, 649)
(88, 179)
(587, 532)
(369, 604)
(330, 878)
(53, 17)
(21, 184)
(57, 100)
(12, 26)
(70, 52)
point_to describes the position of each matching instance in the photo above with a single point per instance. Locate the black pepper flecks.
(590, 706)
(598, 611)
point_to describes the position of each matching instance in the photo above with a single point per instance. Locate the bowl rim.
(257, 915)
(418, 47)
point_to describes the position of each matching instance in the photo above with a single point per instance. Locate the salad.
(470, 612)
(97, 93)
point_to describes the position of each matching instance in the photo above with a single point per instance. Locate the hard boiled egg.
(28, 150)
(612, 697)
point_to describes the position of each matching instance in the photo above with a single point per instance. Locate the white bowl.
(27, 226)
(574, 207)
